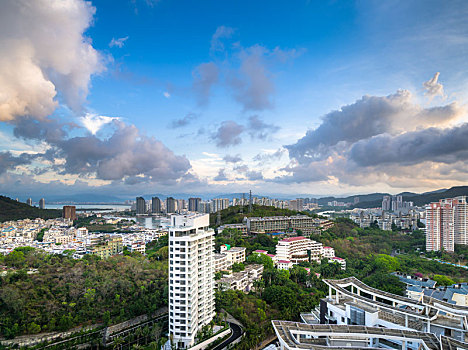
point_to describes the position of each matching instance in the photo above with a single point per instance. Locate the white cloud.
(94, 122)
(43, 51)
(166, 94)
(120, 42)
(433, 87)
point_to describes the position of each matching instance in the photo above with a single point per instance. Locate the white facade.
(296, 249)
(191, 277)
(351, 302)
(328, 252)
(233, 254)
(284, 264)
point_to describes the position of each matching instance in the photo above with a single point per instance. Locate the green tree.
(443, 280)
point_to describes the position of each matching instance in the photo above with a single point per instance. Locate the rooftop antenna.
(250, 201)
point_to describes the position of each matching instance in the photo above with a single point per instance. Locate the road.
(236, 333)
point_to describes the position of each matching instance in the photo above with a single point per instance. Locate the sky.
(288, 98)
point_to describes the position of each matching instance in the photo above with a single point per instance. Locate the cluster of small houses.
(60, 236)
(289, 252)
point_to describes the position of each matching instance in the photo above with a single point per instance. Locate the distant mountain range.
(374, 200)
(370, 200)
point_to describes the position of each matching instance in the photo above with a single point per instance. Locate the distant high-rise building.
(191, 277)
(296, 204)
(446, 224)
(140, 205)
(170, 205)
(42, 203)
(29, 202)
(193, 204)
(386, 203)
(356, 200)
(397, 203)
(155, 205)
(181, 205)
(220, 204)
(205, 207)
(69, 212)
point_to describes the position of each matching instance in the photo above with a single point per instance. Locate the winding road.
(236, 333)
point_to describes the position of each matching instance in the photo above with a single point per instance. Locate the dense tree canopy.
(63, 293)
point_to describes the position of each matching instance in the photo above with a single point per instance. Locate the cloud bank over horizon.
(259, 111)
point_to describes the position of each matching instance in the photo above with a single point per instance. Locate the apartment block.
(298, 249)
(242, 280)
(233, 254)
(446, 224)
(271, 224)
(107, 246)
(191, 277)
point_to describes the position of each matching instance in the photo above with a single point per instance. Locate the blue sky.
(297, 97)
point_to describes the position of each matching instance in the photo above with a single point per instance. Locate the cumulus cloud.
(249, 174)
(433, 87)
(120, 42)
(241, 168)
(389, 139)
(221, 175)
(228, 134)
(9, 162)
(254, 175)
(43, 51)
(252, 84)
(222, 32)
(432, 144)
(179, 123)
(232, 159)
(94, 122)
(367, 117)
(127, 153)
(204, 77)
(259, 129)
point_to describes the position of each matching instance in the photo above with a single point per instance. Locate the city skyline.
(153, 97)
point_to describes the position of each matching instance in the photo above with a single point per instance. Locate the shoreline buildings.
(191, 277)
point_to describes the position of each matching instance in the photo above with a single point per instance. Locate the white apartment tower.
(446, 224)
(191, 277)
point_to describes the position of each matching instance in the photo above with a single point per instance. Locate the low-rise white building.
(284, 264)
